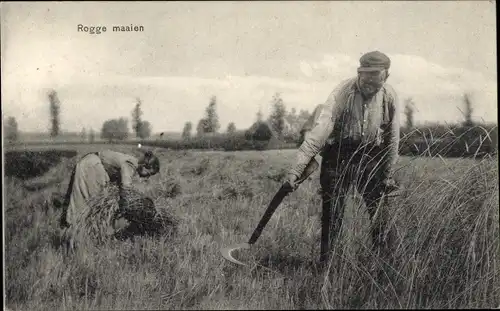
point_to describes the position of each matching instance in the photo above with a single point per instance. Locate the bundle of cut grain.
(96, 223)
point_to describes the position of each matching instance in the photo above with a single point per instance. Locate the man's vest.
(388, 117)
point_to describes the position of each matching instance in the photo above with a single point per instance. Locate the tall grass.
(447, 255)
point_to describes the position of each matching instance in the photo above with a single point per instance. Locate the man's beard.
(370, 89)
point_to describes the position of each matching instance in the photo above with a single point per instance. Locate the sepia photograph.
(232, 155)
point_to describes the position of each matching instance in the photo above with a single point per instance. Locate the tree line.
(281, 123)
(117, 129)
(466, 138)
(112, 130)
(282, 126)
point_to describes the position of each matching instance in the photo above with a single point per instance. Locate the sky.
(242, 53)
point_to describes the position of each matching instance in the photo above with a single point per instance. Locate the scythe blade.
(227, 252)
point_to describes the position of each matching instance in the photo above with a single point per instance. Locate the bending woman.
(94, 171)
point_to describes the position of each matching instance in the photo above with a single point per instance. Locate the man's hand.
(290, 182)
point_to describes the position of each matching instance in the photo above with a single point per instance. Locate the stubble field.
(447, 255)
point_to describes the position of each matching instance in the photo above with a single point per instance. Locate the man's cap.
(374, 61)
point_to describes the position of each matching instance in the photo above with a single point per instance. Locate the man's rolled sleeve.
(316, 138)
(393, 136)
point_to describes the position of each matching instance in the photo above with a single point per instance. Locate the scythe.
(275, 202)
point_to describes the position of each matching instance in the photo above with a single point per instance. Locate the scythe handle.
(275, 202)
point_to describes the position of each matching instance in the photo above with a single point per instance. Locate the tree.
(231, 128)
(91, 135)
(409, 113)
(115, 129)
(468, 111)
(83, 134)
(259, 131)
(144, 129)
(11, 130)
(55, 110)
(259, 115)
(186, 131)
(304, 115)
(296, 121)
(212, 119)
(141, 128)
(202, 126)
(277, 118)
(136, 117)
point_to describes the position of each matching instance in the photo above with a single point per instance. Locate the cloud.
(306, 69)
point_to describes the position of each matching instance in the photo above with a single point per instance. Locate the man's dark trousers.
(347, 164)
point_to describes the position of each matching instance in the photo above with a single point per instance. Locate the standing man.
(357, 132)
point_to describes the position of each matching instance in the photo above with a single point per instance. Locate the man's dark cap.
(374, 61)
